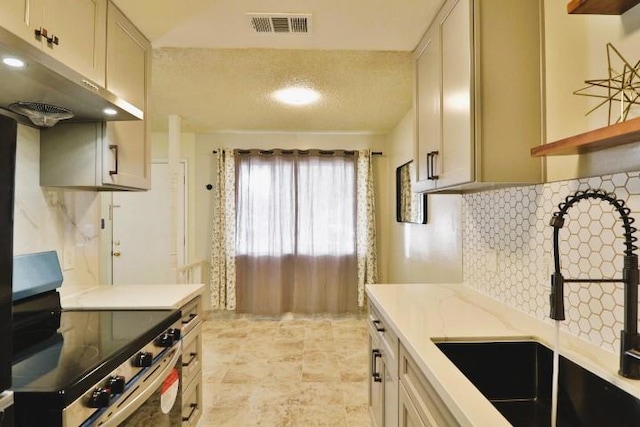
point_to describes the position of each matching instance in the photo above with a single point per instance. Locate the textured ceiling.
(213, 70)
(229, 89)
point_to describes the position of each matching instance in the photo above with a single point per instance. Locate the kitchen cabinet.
(479, 96)
(420, 403)
(73, 32)
(128, 59)
(107, 155)
(383, 379)
(191, 362)
(93, 156)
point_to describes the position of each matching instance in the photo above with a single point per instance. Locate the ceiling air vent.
(281, 23)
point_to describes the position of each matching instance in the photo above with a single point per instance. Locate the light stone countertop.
(420, 313)
(147, 297)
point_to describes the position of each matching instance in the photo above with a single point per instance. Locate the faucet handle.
(557, 221)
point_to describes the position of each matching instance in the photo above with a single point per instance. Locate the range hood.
(44, 80)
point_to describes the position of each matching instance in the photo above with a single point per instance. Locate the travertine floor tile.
(289, 371)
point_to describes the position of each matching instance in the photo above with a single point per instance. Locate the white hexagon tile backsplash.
(507, 251)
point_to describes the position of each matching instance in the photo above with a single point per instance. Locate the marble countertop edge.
(132, 297)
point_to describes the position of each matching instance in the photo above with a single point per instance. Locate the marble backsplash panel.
(507, 251)
(52, 219)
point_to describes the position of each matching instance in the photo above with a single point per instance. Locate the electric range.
(73, 368)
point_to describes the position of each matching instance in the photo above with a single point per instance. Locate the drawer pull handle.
(42, 32)
(191, 317)
(375, 353)
(376, 324)
(115, 150)
(192, 357)
(194, 408)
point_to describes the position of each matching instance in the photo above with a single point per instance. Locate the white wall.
(421, 253)
(48, 219)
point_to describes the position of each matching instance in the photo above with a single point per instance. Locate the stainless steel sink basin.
(516, 378)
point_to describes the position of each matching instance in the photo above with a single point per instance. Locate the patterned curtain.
(223, 256)
(366, 225)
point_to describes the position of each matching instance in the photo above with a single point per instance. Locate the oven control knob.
(99, 398)
(175, 332)
(165, 340)
(116, 384)
(143, 359)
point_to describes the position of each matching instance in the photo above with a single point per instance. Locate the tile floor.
(289, 371)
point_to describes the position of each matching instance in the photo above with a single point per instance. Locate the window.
(295, 204)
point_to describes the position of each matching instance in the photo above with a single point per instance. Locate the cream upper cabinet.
(128, 59)
(112, 155)
(479, 96)
(71, 31)
(127, 148)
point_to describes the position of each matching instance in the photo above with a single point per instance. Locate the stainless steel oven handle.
(137, 401)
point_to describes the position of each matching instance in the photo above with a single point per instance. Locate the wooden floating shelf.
(600, 7)
(621, 133)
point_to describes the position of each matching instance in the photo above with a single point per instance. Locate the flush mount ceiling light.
(13, 62)
(110, 111)
(296, 95)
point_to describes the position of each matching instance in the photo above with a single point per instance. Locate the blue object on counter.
(35, 273)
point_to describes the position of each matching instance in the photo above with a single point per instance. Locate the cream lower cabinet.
(383, 378)
(399, 393)
(479, 96)
(191, 362)
(420, 405)
(71, 31)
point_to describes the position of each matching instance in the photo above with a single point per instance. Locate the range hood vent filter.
(42, 115)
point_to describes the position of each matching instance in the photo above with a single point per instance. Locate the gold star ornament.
(621, 91)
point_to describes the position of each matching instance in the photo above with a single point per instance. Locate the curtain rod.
(373, 153)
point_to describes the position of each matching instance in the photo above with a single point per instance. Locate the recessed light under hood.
(43, 115)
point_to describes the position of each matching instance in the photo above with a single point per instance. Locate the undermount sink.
(516, 378)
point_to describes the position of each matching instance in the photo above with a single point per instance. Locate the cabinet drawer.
(429, 406)
(409, 416)
(388, 340)
(192, 404)
(192, 354)
(190, 315)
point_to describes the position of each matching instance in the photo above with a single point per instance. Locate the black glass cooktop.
(87, 346)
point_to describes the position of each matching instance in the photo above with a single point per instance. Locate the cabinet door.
(456, 160)
(127, 144)
(376, 388)
(80, 26)
(428, 109)
(126, 155)
(390, 393)
(408, 415)
(20, 16)
(128, 59)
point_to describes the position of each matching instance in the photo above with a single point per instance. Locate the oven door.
(155, 400)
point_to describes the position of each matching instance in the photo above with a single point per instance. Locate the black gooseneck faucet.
(629, 339)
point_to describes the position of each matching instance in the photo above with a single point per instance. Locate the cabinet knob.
(116, 253)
